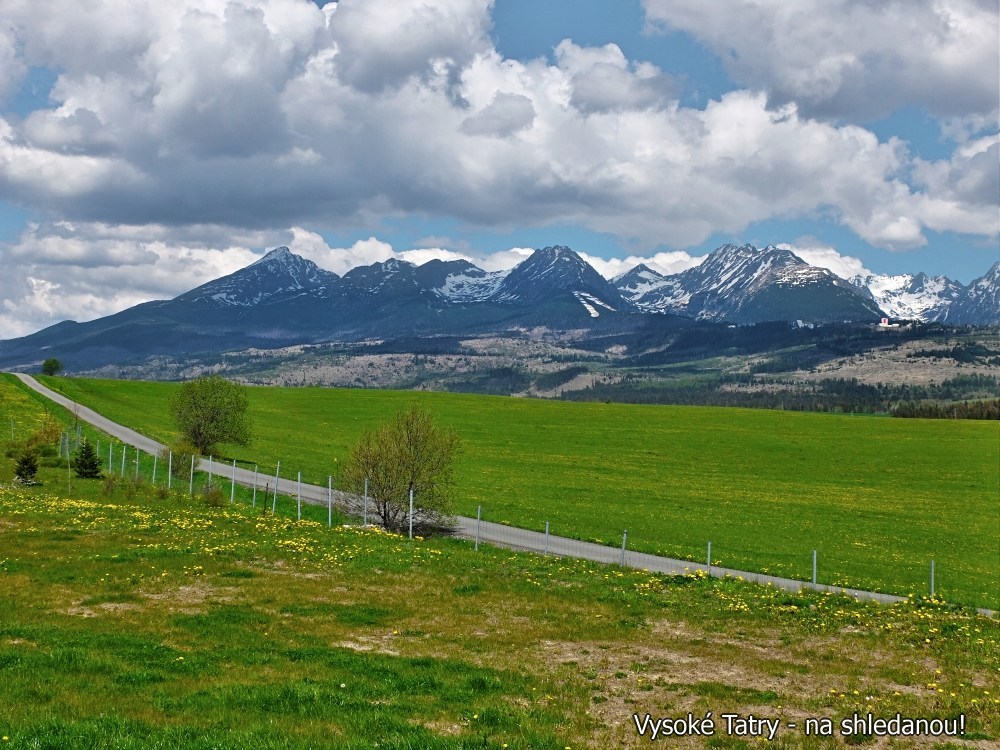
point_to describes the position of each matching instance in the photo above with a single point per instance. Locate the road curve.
(469, 528)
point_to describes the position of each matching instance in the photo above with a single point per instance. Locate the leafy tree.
(211, 410)
(86, 462)
(26, 466)
(51, 366)
(409, 452)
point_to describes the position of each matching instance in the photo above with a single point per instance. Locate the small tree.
(86, 462)
(211, 410)
(51, 366)
(26, 466)
(180, 462)
(409, 453)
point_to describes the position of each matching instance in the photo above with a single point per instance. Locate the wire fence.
(285, 492)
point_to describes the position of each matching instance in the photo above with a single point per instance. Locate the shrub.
(183, 451)
(26, 467)
(212, 495)
(110, 485)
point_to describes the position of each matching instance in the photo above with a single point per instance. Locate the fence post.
(154, 467)
(624, 539)
(546, 538)
(274, 503)
(329, 501)
(411, 513)
(111, 456)
(210, 467)
(298, 512)
(479, 523)
(191, 479)
(932, 578)
(254, 485)
(124, 451)
(710, 556)
(170, 468)
(366, 502)
(232, 486)
(814, 567)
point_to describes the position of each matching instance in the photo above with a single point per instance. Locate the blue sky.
(147, 148)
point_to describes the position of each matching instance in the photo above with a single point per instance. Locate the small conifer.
(87, 462)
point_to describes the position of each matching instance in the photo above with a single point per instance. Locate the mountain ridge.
(283, 299)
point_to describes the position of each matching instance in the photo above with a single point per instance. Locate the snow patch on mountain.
(471, 286)
(912, 297)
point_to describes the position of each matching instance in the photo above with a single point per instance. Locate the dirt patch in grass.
(191, 598)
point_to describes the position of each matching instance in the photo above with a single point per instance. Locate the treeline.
(963, 410)
(845, 395)
(967, 353)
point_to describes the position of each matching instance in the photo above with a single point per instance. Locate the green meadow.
(877, 498)
(136, 617)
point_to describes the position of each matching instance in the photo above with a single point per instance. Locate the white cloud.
(504, 116)
(211, 127)
(852, 58)
(603, 80)
(815, 253)
(666, 263)
(79, 272)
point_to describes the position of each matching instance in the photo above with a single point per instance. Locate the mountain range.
(283, 299)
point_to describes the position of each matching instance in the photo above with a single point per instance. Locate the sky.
(148, 147)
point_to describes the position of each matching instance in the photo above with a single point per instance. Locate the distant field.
(877, 497)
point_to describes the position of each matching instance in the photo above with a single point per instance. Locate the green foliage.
(212, 495)
(51, 366)
(412, 452)
(211, 410)
(26, 466)
(180, 463)
(86, 462)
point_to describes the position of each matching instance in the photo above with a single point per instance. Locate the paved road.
(469, 528)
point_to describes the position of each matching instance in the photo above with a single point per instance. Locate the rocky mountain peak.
(278, 275)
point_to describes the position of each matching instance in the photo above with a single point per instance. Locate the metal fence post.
(232, 486)
(124, 451)
(932, 577)
(479, 523)
(191, 478)
(710, 555)
(546, 538)
(411, 513)
(210, 467)
(170, 468)
(274, 503)
(154, 467)
(254, 485)
(111, 456)
(298, 512)
(366, 502)
(814, 567)
(329, 501)
(624, 540)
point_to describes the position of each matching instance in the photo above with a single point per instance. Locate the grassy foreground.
(878, 498)
(153, 620)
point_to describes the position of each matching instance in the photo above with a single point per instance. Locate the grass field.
(878, 498)
(158, 622)
(133, 617)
